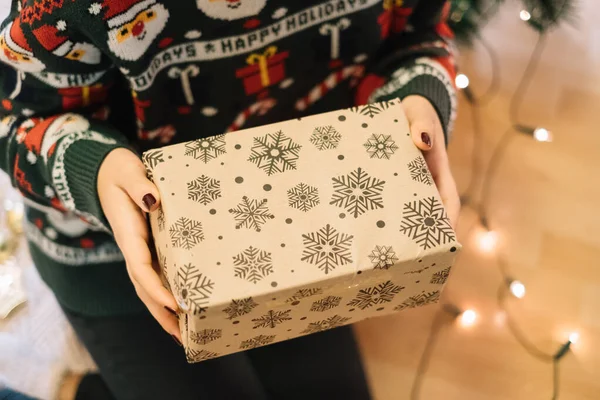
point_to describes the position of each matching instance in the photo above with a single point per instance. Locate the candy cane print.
(334, 79)
(261, 107)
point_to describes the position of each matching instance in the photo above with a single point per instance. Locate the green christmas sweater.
(79, 78)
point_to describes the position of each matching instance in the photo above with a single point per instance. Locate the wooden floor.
(546, 205)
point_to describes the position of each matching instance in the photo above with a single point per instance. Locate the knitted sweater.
(79, 78)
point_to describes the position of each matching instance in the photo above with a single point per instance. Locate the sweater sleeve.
(418, 58)
(53, 130)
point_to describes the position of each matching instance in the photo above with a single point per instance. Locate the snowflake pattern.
(206, 149)
(419, 300)
(186, 233)
(240, 307)
(251, 214)
(274, 153)
(204, 189)
(199, 310)
(205, 336)
(303, 197)
(271, 319)
(357, 192)
(417, 271)
(425, 221)
(193, 287)
(439, 278)
(382, 293)
(253, 264)
(257, 341)
(48, 192)
(380, 146)
(326, 303)
(328, 323)
(419, 172)
(383, 257)
(303, 293)
(327, 248)
(151, 159)
(199, 355)
(160, 219)
(95, 8)
(371, 110)
(162, 262)
(325, 137)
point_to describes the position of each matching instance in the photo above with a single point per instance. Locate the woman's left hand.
(428, 135)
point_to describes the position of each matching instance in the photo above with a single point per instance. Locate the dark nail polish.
(426, 139)
(148, 201)
(171, 311)
(176, 340)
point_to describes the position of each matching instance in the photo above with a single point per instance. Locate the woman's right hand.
(126, 195)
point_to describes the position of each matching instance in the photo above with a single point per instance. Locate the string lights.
(487, 238)
(542, 135)
(524, 15)
(516, 288)
(461, 81)
(468, 318)
(487, 241)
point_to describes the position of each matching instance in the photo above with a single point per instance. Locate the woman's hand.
(126, 195)
(427, 133)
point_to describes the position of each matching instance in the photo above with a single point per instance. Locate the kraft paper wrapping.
(293, 228)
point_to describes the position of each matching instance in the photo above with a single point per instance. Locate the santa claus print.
(55, 128)
(66, 223)
(230, 9)
(133, 25)
(41, 135)
(15, 50)
(6, 125)
(53, 40)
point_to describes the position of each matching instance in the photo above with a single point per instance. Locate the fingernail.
(148, 201)
(169, 309)
(426, 139)
(176, 340)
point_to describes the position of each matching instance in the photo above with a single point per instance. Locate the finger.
(444, 181)
(131, 234)
(167, 320)
(450, 198)
(422, 120)
(136, 184)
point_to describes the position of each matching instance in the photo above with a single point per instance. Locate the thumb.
(421, 121)
(136, 184)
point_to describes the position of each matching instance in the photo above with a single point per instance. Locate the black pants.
(139, 361)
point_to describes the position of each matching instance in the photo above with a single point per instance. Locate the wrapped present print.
(263, 70)
(293, 228)
(77, 97)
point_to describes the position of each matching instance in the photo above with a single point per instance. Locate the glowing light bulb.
(524, 15)
(488, 241)
(462, 81)
(542, 135)
(500, 318)
(517, 289)
(574, 337)
(468, 318)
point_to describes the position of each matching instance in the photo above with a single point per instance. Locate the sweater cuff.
(426, 79)
(75, 175)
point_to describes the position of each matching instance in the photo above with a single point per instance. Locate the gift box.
(264, 69)
(77, 97)
(284, 230)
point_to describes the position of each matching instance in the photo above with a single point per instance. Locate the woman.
(72, 132)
